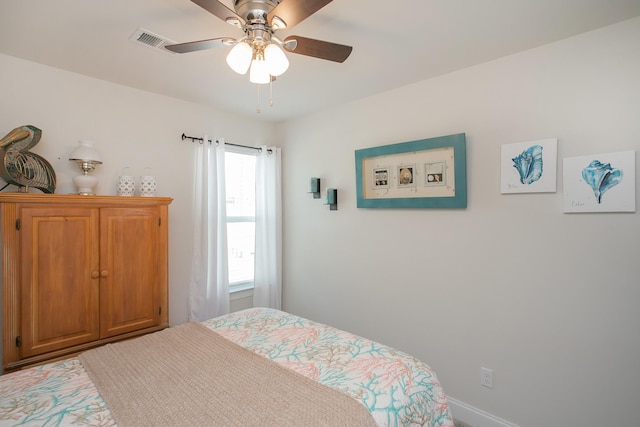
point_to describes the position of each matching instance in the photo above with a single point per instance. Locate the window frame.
(243, 285)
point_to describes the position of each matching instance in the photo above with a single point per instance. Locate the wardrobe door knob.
(104, 273)
(95, 274)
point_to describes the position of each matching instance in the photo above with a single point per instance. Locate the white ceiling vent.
(151, 40)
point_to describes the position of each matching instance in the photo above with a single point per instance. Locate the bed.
(295, 371)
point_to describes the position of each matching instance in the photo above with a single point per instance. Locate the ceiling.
(395, 43)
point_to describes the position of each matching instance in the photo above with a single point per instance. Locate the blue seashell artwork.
(529, 164)
(601, 177)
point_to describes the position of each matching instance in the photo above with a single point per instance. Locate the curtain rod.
(195, 138)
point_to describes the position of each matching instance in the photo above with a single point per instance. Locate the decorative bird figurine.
(20, 167)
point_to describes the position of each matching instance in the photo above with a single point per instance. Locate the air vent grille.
(149, 39)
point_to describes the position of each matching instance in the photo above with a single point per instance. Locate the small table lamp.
(87, 158)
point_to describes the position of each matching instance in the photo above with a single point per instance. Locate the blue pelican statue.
(21, 167)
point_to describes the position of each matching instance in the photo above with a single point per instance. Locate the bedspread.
(396, 388)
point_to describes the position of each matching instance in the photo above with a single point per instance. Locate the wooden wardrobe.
(80, 271)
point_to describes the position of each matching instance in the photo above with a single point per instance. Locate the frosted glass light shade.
(259, 72)
(239, 57)
(276, 59)
(85, 152)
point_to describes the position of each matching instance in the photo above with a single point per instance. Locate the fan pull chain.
(258, 110)
(271, 92)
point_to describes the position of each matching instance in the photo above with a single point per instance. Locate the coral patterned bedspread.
(396, 388)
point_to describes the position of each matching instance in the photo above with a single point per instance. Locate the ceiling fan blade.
(200, 45)
(317, 48)
(220, 10)
(292, 12)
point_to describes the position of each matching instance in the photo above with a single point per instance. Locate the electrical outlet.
(486, 377)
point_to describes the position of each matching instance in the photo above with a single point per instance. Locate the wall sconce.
(332, 199)
(314, 187)
(87, 158)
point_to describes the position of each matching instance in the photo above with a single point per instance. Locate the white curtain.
(267, 290)
(209, 287)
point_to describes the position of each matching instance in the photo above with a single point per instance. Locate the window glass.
(240, 184)
(241, 237)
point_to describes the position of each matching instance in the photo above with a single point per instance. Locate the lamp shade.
(259, 72)
(85, 152)
(277, 61)
(239, 57)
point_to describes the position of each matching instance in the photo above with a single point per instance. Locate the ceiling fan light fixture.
(276, 60)
(239, 57)
(260, 52)
(259, 72)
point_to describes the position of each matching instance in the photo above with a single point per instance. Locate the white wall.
(129, 127)
(547, 300)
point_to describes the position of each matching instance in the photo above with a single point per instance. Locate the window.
(240, 187)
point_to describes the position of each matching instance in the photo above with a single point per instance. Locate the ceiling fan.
(260, 52)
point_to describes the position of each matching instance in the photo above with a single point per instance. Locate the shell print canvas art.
(529, 164)
(601, 177)
(529, 167)
(600, 183)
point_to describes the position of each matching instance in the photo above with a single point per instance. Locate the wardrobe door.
(59, 277)
(133, 271)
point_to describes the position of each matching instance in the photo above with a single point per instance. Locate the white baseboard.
(474, 416)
